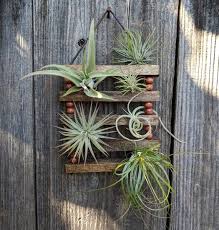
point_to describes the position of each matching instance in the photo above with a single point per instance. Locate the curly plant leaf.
(135, 122)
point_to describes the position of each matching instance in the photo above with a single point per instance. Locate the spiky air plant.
(130, 84)
(145, 170)
(88, 78)
(132, 48)
(136, 124)
(84, 134)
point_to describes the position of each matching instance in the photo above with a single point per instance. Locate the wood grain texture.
(57, 28)
(101, 166)
(160, 16)
(127, 69)
(17, 200)
(196, 203)
(124, 145)
(153, 119)
(116, 95)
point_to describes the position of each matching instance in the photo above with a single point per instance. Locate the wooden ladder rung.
(117, 145)
(101, 166)
(153, 119)
(142, 70)
(117, 95)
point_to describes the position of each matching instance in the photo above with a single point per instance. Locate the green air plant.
(133, 49)
(84, 133)
(130, 84)
(136, 123)
(88, 78)
(145, 172)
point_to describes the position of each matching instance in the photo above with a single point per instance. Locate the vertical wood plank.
(58, 26)
(160, 17)
(17, 208)
(195, 205)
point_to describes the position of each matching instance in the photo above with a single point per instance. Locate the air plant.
(88, 78)
(135, 122)
(84, 133)
(133, 49)
(145, 169)
(130, 84)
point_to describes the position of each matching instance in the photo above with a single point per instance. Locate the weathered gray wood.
(17, 205)
(57, 28)
(116, 95)
(101, 166)
(127, 69)
(196, 203)
(160, 16)
(153, 119)
(124, 145)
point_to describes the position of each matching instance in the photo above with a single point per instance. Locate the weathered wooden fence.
(35, 193)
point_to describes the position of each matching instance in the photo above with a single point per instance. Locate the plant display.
(82, 134)
(145, 169)
(133, 49)
(135, 125)
(88, 78)
(130, 84)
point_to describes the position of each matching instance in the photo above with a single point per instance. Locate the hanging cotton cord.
(166, 129)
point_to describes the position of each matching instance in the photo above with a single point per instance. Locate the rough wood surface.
(127, 69)
(116, 95)
(124, 145)
(160, 16)
(196, 202)
(102, 166)
(153, 119)
(57, 28)
(17, 199)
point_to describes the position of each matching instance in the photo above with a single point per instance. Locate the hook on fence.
(82, 42)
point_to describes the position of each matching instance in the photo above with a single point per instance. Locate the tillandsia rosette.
(133, 49)
(144, 179)
(83, 135)
(88, 78)
(130, 84)
(136, 123)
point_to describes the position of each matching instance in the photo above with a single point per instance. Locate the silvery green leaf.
(91, 50)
